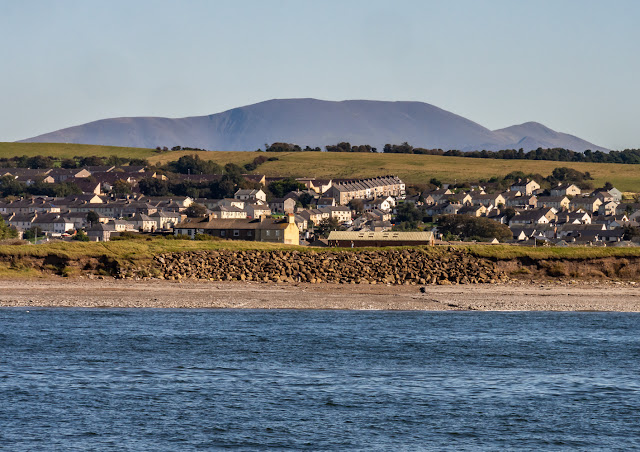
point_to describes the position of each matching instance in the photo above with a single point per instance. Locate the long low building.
(351, 239)
(259, 230)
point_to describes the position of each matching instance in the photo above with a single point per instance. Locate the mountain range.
(313, 122)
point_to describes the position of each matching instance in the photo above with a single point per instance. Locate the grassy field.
(64, 150)
(411, 168)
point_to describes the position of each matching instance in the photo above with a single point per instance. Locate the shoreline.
(512, 296)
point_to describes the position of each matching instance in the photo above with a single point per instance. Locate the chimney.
(291, 218)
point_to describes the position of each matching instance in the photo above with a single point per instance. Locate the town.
(115, 200)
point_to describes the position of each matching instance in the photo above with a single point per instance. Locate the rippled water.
(206, 379)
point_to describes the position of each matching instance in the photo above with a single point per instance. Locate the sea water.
(143, 379)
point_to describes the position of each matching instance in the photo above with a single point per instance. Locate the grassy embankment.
(411, 168)
(23, 261)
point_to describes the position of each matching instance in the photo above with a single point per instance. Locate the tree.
(280, 188)
(473, 228)
(283, 147)
(196, 210)
(509, 212)
(11, 187)
(631, 233)
(407, 211)
(68, 163)
(81, 236)
(326, 226)
(150, 186)
(193, 164)
(6, 231)
(305, 199)
(121, 187)
(356, 205)
(33, 233)
(92, 217)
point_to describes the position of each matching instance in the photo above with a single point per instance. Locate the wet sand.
(84, 293)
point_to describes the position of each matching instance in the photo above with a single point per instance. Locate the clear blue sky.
(571, 65)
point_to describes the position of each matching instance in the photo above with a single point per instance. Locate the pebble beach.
(512, 296)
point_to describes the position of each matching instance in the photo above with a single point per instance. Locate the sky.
(571, 65)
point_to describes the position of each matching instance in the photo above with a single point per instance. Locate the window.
(277, 233)
(249, 233)
(223, 233)
(268, 233)
(236, 233)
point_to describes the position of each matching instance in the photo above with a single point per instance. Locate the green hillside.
(66, 150)
(413, 168)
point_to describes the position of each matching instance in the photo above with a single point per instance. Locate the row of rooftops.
(364, 184)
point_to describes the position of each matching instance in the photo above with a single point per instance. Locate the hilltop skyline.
(316, 123)
(569, 65)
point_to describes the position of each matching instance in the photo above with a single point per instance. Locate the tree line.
(628, 156)
(47, 162)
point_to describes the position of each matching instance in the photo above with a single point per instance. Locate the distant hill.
(314, 123)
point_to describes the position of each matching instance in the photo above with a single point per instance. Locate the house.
(626, 208)
(580, 230)
(617, 194)
(301, 222)
(282, 205)
(557, 202)
(341, 213)
(101, 232)
(260, 230)
(573, 218)
(565, 190)
(588, 203)
(474, 211)
(378, 215)
(325, 202)
(526, 187)
(451, 208)
(378, 203)
(343, 192)
(459, 198)
(251, 195)
(318, 185)
(62, 174)
(62, 225)
(122, 225)
(608, 208)
(522, 233)
(143, 222)
(351, 239)
(166, 220)
(257, 210)
(48, 223)
(520, 201)
(229, 202)
(315, 216)
(612, 221)
(530, 217)
(487, 200)
(230, 212)
(437, 195)
(23, 221)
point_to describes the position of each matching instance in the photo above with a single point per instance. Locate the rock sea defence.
(405, 266)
